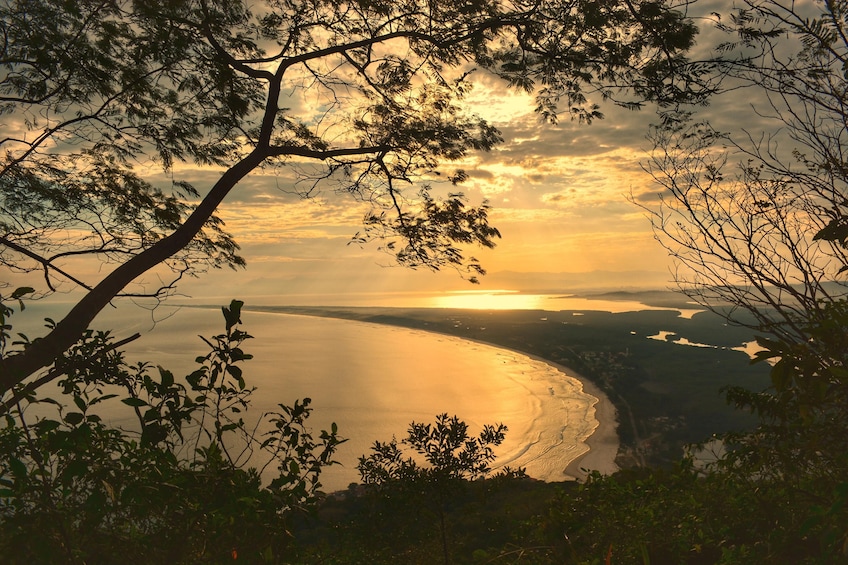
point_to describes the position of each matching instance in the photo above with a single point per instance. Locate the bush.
(186, 485)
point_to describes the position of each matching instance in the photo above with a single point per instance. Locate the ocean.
(373, 380)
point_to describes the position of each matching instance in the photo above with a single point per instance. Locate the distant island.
(667, 395)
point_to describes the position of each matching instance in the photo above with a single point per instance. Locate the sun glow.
(490, 300)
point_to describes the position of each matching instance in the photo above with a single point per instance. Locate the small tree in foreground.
(451, 457)
(191, 482)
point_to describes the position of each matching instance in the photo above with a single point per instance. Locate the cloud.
(651, 196)
(559, 195)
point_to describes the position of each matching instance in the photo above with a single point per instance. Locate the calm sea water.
(373, 380)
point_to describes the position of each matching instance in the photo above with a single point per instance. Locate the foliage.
(446, 447)
(490, 523)
(451, 457)
(800, 442)
(190, 481)
(362, 98)
(684, 515)
(767, 240)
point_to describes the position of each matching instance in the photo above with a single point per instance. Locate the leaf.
(102, 398)
(232, 315)
(80, 403)
(76, 468)
(781, 376)
(135, 402)
(74, 418)
(110, 491)
(22, 291)
(835, 230)
(19, 470)
(167, 377)
(153, 434)
(45, 426)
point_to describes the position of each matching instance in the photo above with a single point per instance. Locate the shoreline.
(602, 444)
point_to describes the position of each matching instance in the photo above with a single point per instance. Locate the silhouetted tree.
(451, 457)
(90, 90)
(745, 213)
(757, 222)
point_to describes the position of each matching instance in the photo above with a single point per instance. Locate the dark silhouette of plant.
(754, 219)
(757, 224)
(450, 455)
(191, 481)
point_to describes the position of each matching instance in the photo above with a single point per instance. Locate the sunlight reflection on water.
(514, 300)
(373, 380)
(490, 300)
(465, 299)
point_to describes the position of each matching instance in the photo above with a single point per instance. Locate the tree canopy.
(94, 92)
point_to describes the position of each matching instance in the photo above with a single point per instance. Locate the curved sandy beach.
(594, 440)
(603, 443)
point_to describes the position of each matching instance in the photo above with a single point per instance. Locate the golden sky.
(558, 195)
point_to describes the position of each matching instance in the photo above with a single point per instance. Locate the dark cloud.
(651, 197)
(480, 174)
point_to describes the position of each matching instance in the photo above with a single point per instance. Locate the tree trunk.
(41, 353)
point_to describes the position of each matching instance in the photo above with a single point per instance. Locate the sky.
(558, 195)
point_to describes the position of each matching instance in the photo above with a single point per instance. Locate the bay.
(373, 380)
